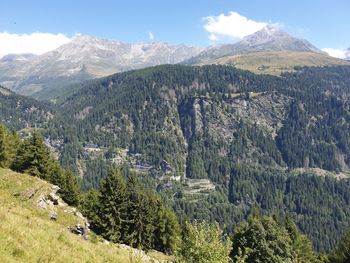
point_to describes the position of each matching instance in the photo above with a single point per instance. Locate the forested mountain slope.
(184, 108)
(19, 112)
(259, 140)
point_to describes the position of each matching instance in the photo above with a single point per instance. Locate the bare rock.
(42, 202)
(53, 215)
(54, 198)
(80, 230)
(55, 189)
(28, 194)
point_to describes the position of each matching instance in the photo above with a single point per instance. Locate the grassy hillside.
(28, 235)
(277, 62)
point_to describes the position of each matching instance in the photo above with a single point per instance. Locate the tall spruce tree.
(113, 207)
(9, 143)
(3, 153)
(168, 231)
(142, 213)
(70, 191)
(341, 254)
(34, 158)
(302, 251)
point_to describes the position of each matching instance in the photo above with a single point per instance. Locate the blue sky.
(324, 23)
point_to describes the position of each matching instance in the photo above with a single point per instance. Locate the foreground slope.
(28, 235)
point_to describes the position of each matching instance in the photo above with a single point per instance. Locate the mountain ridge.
(83, 58)
(270, 38)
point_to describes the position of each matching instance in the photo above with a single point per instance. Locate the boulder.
(80, 230)
(54, 198)
(28, 194)
(53, 215)
(41, 202)
(55, 189)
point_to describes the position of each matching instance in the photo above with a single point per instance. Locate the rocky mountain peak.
(273, 38)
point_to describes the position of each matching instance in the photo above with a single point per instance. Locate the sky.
(37, 26)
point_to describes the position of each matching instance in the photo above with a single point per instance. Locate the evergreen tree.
(90, 207)
(142, 213)
(113, 207)
(341, 254)
(302, 251)
(262, 240)
(70, 191)
(9, 143)
(3, 153)
(168, 232)
(34, 158)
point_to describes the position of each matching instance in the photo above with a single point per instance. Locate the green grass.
(276, 62)
(28, 235)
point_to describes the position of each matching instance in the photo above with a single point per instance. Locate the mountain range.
(87, 57)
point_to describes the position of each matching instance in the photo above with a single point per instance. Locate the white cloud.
(337, 53)
(150, 36)
(36, 43)
(232, 26)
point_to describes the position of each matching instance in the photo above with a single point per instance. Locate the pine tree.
(302, 251)
(13, 144)
(167, 234)
(90, 206)
(34, 158)
(70, 191)
(113, 207)
(3, 153)
(142, 211)
(341, 254)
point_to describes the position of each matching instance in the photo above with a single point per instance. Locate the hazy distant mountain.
(10, 58)
(347, 54)
(83, 58)
(269, 38)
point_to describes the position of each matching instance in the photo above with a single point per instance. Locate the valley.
(233, 149)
